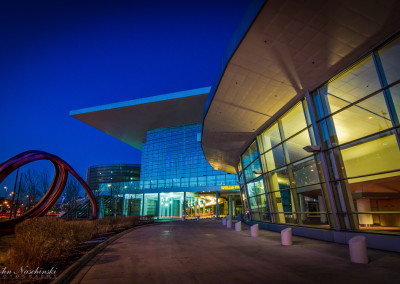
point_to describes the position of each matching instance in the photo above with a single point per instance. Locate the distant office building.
(175, 178)
(112, 173)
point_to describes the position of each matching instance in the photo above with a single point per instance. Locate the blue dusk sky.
(57, 56)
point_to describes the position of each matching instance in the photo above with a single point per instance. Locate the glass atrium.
(350, 179)
(175, 180)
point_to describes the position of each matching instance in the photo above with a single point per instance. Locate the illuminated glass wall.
(352, 182)
(172, 158)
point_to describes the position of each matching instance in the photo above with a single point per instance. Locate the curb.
(71, 271)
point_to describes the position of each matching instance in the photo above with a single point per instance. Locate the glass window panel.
(168, 183)
(279, 179)
(274, 158)
(202, 181)
(366, 118)
(372, 155)
(355, 83)
(253, 203)
(176, 182)
(211, 180)
(270, 137)
(255, 187)
(394, 92)
(312, 202)
(264, 215)
(185, 182)
(253, 171)
(390, 59)
(193, 182)
(161, 183)
(250, 155)
(296, 144)
(305, 172)
(293, 121)
(255, 216)
(283, 202)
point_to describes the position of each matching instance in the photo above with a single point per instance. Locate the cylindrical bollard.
(358, 249)
(238, 226)
(229, 224)
(254, 230)
(286, 237)
(213, 218)
(183, 218)
(224, 221)
(198, 218)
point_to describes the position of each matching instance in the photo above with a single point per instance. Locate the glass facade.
(112, 173)
(175, 181)
(352, 180)
(172, 158)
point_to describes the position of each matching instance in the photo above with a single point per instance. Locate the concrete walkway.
(207, 252)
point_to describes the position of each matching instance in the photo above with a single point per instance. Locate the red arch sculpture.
(57, 186)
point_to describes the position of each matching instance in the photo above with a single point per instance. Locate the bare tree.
(30, 188)
(115, 190)
(71, 192)
(43, 181)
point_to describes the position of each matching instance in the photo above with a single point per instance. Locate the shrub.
(39, 240)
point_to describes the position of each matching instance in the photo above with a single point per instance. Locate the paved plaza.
(207, 252)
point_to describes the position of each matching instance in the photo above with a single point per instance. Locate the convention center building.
(305, 110)
(175, 178)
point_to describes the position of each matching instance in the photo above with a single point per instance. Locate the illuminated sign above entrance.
(230, 187)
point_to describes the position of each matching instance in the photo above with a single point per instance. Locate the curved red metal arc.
(56, 188)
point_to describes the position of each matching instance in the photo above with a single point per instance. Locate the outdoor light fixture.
(312, 148)
(257, 172)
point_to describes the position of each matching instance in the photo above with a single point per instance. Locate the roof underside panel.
(129, 121)
(292, 47)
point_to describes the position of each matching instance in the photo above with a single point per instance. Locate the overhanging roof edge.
(244, 25)
(159, 98)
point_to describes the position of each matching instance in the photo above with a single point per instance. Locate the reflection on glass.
(255, 216)
(150, 204)
(253, 171)
(274, 158)
(171, 204)
(390, 59)
(357, 82)
(296, 144)
(305, 172)
(394, 93)
(253, 203)
(293, 121)
(270, 137)
(283, 202)
(250, 155)
(376, 154)
(211, 181)
(255, 187)
(312, 205)
(365, 118)
(279, 179)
